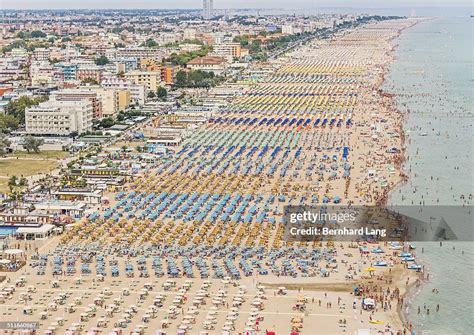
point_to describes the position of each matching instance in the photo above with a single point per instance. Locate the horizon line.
(242, 8)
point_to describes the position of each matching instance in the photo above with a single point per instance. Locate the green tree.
(107, 122)
(23, 35)
(162, 93)
(38, 34)
(150, 43)
(102, 60)
(8, 122)
(32, 144)
(151, 94)
(197, 78)
(23, 182)
(16, 108)
(181, 79)
(4, 144)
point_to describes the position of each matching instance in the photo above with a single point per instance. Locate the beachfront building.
(166, 140)
(56, 117)
(41, 232)
(56, 208)
(86, 195)
(208, 63)
(20, 215)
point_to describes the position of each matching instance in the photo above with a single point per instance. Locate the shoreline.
(412, 291)
(404, 177)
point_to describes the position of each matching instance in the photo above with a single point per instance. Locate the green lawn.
(25, 167)
(48, 154)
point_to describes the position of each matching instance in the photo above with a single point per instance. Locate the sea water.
(432, 78)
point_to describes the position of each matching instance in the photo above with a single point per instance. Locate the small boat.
(423, 134)
(415, 267)
(412, 247)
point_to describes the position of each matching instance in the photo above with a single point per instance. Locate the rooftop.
(207, 60)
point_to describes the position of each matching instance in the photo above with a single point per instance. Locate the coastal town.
(148, 158)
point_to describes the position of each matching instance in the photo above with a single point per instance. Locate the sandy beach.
(318, 130)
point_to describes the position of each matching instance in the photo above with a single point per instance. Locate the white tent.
(40, 232)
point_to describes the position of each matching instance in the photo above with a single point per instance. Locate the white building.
(137, 92)
(189, 34)
(41, 54)
(227, 50)
(167, 38)
(138, 53)
(43, 73)
(208, 63)
(18, 52)
(56, 117)
(207, 9)
(287, 29)
(219, 37)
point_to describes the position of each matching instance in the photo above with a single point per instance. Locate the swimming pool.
(7, 230)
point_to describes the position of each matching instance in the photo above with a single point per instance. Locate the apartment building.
(69, 70)
(137, 92)
(41, 54)
(167, 38)
(43, 73)
(18, 53)
(139, 53)
(148, 64)
(227, 50)
(167, 75)
(150, 79)
(126, 64)
(208, 63)
(122, 99)
(113, 100)
(55, 117)
(78, 95)
(189, 34)
(89, 73)
(287, 29)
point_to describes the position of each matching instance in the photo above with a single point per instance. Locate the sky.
(93, 4)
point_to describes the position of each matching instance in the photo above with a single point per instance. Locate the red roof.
(206, 60)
